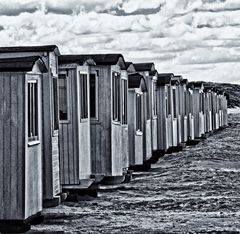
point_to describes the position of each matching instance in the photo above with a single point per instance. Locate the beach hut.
(136, 88)
(50, 121)
(189, 110)
(198, 109)
(225, 106)
(164, 112)
(75, 83)
(149, 105)
(109, 128)
(176, 117)
(21, 86)
(207, 110)
(215, 118)
(184, 110)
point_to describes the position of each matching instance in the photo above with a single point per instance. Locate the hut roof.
(99, 59)
(164, 78)
(14, 49)
(153, 73)
(144, 67)
(78, 59)
(136, 80)
(21, 64)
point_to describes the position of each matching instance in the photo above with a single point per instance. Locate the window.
(185, 103)
(174, 104)
(116, 96)
(55, 103)
(166, 102)
(154, 98)
(63, 102)
(84, 96)
(169, 100)
(124, 101)
(93, 95)
(32, 110)
(139, 112)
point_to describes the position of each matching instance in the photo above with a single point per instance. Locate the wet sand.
(193, 191)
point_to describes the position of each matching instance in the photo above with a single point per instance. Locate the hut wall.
(101, 130)
(162, 123)
(51, 176)
(21, 163)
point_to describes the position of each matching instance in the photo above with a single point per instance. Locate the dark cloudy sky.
(199, 39)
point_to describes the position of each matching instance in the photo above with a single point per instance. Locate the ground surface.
(196, 191)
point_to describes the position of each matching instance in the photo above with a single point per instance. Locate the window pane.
(93, 95)
(32, 111)
(55, 100)
(174, 104)
(62, 87)
(116, 97)
(84, 96)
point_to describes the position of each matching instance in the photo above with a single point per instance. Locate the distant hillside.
(232, 90)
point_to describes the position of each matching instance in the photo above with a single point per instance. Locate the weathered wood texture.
(106, 135)
(135, 140)
(51, 177)
(162, 120)
(20, 168)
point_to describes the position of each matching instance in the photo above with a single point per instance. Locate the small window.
(63, 102)
(124, 101)
(93, 96)
(116, 96)
(169, 100)
(33, 109)
(139, 112)
(55, 103)
(84, 95)
(154, 98)
(174, 104)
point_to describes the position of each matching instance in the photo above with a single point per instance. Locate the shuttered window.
(33, 120)
(139, 112)
(116, 112)
(84, 96)
(63, 102)
(124, 101)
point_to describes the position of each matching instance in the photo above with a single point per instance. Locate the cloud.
(196, 38)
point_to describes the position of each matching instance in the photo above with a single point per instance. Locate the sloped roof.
(43, 48)
(99, 59)
(21, 64)
(153, 73)
(197, 84)
(136, 80)
(79, 59)
(164, 78)
(140, 67)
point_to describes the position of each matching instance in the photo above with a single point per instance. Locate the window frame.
(83, 119)
(32, 140)
(154, 98)
(116, 106)
(174, 102)
(96, 73)
(124, 101)
(138, 131)
(68, 97)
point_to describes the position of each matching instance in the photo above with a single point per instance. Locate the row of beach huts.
(71, 122)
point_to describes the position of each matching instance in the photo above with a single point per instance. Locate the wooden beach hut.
(109, 128)
(198, 109)
(136, 88)
(164, 112)
(149, 105)
(183, 110)
(207, 109)
(189, 110)
(176, 117)
(50, 121)
(76, 82)
(21, 87)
